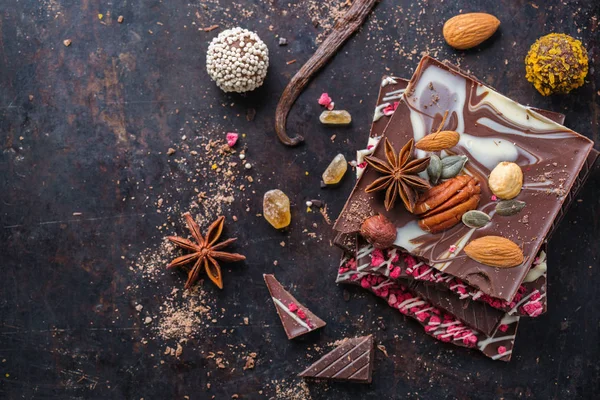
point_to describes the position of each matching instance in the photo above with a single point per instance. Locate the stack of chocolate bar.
(459, 296)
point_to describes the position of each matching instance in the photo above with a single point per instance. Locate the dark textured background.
(103, 111)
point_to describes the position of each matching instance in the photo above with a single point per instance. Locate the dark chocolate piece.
(351, 361)
(478, 315)
(530, 300)
(295, 318)
(440, 325)
(493, 122)
(346, 242)
(390, 263)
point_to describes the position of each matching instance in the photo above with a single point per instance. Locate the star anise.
(205, 251)
(399, 175)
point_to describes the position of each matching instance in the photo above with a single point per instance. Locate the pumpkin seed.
(434, 170)
(475, 219)
(452, 165)
(506, 208)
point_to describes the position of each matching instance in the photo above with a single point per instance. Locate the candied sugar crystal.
(336, 117)
(276, 208)
(336, 170)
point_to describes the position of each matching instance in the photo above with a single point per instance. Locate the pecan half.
(443, 206)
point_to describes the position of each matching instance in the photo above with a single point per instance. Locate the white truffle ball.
(237, 60)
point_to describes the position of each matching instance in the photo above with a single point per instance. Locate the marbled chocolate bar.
(493, 129)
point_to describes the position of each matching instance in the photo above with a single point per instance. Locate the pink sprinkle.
(301, 314)
(435, 320)
(232, 138)
(535, 296)
(494, 198)
(292, 307)
(330, 106)
(452, 249)
(362, 165)
(395, 274)
(501, 350)
(364, 282)
(325, 100)
(369, 147)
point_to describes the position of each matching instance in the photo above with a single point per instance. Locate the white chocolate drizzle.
(538, 270)
(394, 95)
(388, 80)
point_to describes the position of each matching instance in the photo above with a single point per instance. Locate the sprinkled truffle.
(556, 63)
(237, 60)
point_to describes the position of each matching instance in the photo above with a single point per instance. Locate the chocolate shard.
(478, 315)
(352, 361)
(295, 317)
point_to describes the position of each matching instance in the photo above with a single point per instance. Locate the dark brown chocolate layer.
(295, 318)
(550, 155)
(446, 328)
(351, 361)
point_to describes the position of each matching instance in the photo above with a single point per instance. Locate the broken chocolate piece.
(295, 318)
(442, 326)
(351, 361)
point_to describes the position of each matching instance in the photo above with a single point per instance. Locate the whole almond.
(438, 141)
(495, 251)
(469, 30)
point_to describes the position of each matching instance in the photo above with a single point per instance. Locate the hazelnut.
(506, 180)
(379, 231)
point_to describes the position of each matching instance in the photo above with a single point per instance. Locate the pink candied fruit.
(301, 314)
(395, 274)
(533, 309)
(501, 349)
(325, 100)
(231, 138)
(364, 282)
(292, 307)
(389, 110)
(494, 198)
(535, 296)
(377, 258)
(503, 328)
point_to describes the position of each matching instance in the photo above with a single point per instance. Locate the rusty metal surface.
(92, 139)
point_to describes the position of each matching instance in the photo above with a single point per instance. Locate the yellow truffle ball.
(556, 63)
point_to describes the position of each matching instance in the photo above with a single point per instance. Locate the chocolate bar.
(295, 318)
(351, 361)
(531, 297)
(391, 263)
(498, 130)
(438, 324)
